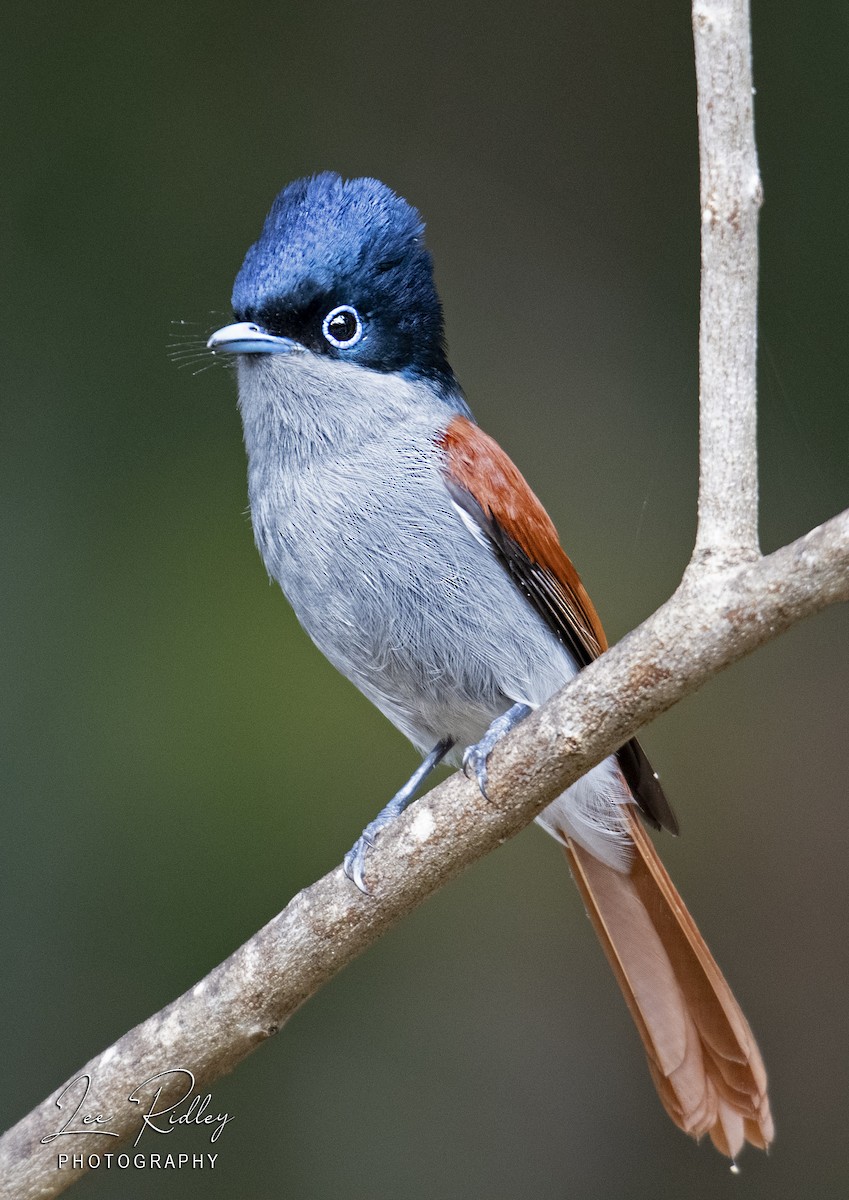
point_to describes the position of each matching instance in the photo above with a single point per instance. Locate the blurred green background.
(177, 759)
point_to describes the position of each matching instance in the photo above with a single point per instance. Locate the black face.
(371, 322)
(324, 325)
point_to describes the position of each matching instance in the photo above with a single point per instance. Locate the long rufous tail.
(702, 1056)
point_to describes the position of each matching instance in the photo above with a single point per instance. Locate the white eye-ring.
(342, 327)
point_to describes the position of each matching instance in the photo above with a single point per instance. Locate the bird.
(420, 562)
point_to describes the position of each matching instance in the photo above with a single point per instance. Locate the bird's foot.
(476, 756)
(354, 862)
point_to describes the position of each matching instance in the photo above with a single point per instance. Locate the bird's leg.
(355, 859)
(476, 756)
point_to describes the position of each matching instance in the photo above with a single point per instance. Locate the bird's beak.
(246, 338)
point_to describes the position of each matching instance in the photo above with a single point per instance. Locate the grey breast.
(354, 521)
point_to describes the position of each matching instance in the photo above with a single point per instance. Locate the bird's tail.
(702, 1056)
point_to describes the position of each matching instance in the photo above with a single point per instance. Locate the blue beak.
(247, 338)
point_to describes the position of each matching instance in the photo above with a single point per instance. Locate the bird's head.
(341, 270)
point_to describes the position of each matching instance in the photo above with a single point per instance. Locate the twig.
(730, 196)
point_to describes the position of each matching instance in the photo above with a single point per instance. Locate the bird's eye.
(342, 327)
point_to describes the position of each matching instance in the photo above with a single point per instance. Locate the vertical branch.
(731, 196)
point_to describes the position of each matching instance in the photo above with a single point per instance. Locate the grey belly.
(404, 600)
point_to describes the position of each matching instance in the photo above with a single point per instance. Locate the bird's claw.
(354, 862)
(475, 759)
(476, 756)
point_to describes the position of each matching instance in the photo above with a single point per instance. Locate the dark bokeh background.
(178, 760)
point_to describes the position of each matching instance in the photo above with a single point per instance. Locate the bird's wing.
(487, 486)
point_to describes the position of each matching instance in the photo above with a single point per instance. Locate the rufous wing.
(487, 486)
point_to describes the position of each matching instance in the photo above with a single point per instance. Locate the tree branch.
(731, 196)
(704, 627)
(729, 602)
